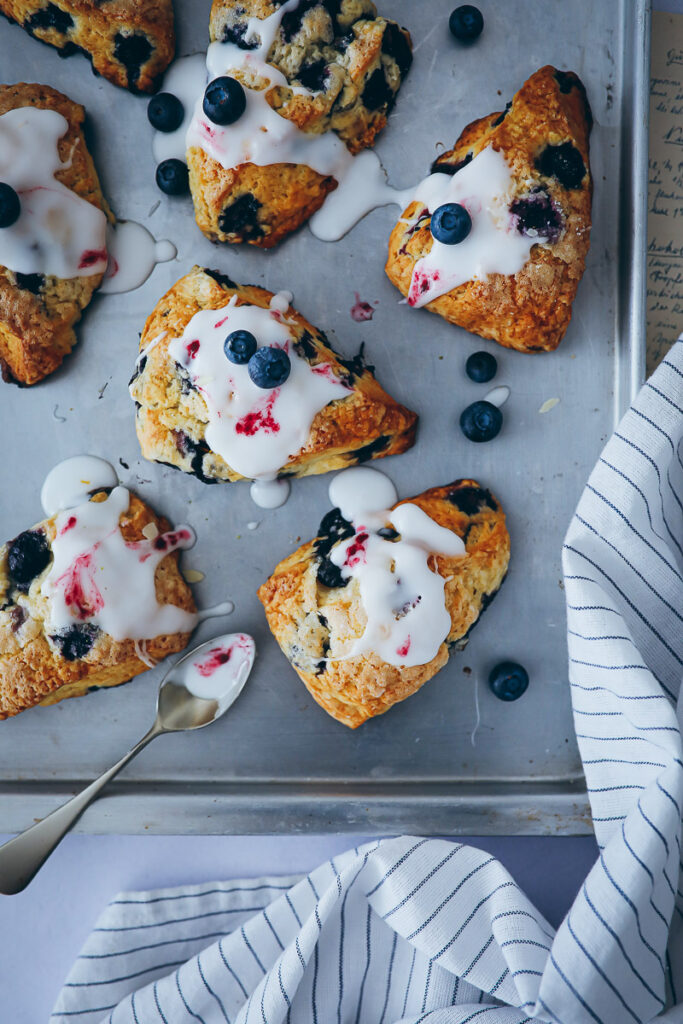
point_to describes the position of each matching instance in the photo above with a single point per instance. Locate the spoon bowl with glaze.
(196, 690)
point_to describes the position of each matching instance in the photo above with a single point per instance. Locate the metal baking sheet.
(452, 759)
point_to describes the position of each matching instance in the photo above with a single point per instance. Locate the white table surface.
(42, 930)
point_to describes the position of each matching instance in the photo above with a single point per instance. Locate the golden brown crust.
(171, 420)
(32, 669)
(353, 60)
(531, 310)
(304, 616)
(37, 314)
(130, 42)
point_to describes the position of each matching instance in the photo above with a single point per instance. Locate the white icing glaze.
(133, 255)
(57, 233)
(99, 578)
(254, 429)
(216, 611)
(498, 396)
(363, 187)
(220, 671)
(269, 493)
(186, 79)
(403, 598)
(493, 246)
(72, 481)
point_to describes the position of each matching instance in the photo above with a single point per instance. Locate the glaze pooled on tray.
(57, 232)
(254, 427)
(389, 554)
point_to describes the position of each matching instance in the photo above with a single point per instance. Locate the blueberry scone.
(232, 383)
(53, 222)
(130, 42)
(496, 238)
(309, 84)
(370, 610)
(89, 598)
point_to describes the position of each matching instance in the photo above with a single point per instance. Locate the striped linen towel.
(417, 930)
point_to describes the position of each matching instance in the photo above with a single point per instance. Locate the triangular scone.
(308, 618)
(41, 666)
(543, 136)
(353, 62)
(130, 42)
(37, 312)
(172, 415)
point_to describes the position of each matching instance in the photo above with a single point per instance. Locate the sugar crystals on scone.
(233, 383)
(495, 239)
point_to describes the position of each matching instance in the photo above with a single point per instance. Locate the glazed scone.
(130, 42)
(347, 63)
(38, 311)
(348, 418)
(543, 137)
(40, 664)
(314, 613)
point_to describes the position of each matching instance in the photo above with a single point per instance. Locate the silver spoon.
(177, 710)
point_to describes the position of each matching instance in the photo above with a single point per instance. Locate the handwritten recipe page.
(665, 192)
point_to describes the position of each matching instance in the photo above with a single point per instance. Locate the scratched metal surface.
(277, 762)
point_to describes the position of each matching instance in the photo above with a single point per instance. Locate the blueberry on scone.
(47, 275)
(329, 78)
(232, 383)
(130, 42)
(89, 598)
(436, 562)
(523, 175)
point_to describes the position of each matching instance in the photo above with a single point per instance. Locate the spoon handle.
(22, 857)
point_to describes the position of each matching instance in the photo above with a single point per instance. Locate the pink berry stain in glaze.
(91, 257)
(192, 349)
(260, 418)
(81, 593)
(402, 651)
(356, 553)
(68, 525)
(216, 657)
(361, 311)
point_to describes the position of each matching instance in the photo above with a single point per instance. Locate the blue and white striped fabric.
(415, 930)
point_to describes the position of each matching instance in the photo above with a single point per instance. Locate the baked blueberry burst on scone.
(90, 597)
(130, 42)
(495, 239)
(232, 383)
(53, 222)
(296, 89)
(370, 610)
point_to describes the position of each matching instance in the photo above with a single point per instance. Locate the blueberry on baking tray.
(165, 112)
(481, 421)
(481, 367)
(10, 207)
(240, 346)
(508, 680)
(269, 367)
(224, 100)
(466, 23)
(172, 177)
(27, 556)
(451, 224)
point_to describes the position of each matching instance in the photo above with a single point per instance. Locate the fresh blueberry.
(165, 112)
(508, 680)
(481, 367)
(451, 224)
(481, 421)
(172, 177)
(269, 367)
(240, 346)
(466, 23)
(10, 207)
(224, 100)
